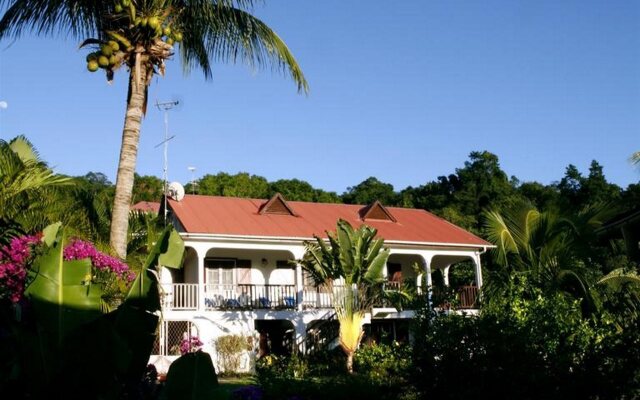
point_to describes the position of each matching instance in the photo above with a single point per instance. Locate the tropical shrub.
(525, 344)
(191, 376)
(249, 392)
(384, 364)
(230, 349)
(190, 344)
(16, 259)
(59, 338)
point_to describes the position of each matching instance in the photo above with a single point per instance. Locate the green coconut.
(103, 61)
(92, 65)
(106, 50)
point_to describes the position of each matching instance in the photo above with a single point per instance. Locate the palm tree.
(547, 247)
(351, 265)
(139, 35)
(23, 178)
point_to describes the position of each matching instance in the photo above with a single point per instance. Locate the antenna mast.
(166, 107)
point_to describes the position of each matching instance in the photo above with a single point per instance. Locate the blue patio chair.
(232, 303)
(289, 301)
(264, 302)
(215, 301)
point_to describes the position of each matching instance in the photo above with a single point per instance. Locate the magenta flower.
(14, 261)
(190, 345)
(79, 249)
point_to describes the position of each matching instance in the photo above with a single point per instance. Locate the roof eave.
(295, 239)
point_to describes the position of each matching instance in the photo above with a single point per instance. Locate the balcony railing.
(463, 297)
(468, 296)
(184, 296)
(179, 296)
(247, 296)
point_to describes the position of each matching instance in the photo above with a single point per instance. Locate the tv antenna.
(193, 182)
(166, 107)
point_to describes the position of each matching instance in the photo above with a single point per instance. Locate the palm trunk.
(350, 362)
(128, 155)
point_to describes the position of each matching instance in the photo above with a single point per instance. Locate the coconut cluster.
(108, 56)
(151, 29)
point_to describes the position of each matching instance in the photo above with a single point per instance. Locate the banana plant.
(66, 344)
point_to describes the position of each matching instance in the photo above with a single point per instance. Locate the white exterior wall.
(215, 323)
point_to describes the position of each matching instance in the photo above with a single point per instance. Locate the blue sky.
(403, 91)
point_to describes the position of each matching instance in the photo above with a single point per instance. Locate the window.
(219, 271)
(394, 272)
(284, 264)
(227, 271)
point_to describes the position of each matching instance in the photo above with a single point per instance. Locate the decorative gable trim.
(376, 211)
(276, 205)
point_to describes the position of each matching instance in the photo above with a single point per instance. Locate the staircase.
(321, 335)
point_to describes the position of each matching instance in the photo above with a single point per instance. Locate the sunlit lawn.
(228, 385)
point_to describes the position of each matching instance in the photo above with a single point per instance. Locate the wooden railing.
(468, 297)
(462, 297)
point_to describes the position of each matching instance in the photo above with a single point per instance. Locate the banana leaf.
(61, 293)
(168, 251)
(67, 346)
(192, 376)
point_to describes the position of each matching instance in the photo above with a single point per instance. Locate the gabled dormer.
(376, 211)
(276, 205)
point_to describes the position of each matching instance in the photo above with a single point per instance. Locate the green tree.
(578, 191)
(482, 184)
(351, 266)
(241, 184)
(541, 196)
(630, 197)
(147, 188)
(322, 196)
(297, 190)
(293, 189)
(460, 198)
(139, 35)
(370, 190)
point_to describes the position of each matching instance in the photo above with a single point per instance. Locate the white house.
(238, 277)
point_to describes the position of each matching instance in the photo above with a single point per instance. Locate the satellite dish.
(175, 191)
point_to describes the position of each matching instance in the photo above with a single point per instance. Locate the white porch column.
(445, 275)
(478, 270)
(298, 253)
(300, 333)
(426, 256)
(200, 255)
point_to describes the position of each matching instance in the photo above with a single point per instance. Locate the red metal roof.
(239, 216)
(146, 206)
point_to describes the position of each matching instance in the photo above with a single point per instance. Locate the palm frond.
(498, 233)
(619, 278)
(79, 18)
(221, 32)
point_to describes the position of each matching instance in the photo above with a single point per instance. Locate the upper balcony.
(185, 296)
